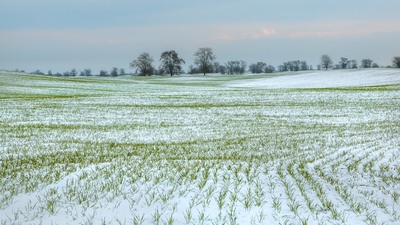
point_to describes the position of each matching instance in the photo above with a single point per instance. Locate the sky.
(61, 35)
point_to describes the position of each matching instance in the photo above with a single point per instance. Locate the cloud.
(111, 45)
(197, 33)
(224, 32)
(340, 29)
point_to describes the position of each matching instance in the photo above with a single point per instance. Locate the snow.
(219, 150)
(325, 79)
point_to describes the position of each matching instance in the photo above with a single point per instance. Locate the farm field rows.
(200, 150)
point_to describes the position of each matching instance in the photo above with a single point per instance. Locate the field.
(287, 148)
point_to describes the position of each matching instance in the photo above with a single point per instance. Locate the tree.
(243, 66)
(236, 67)
(282, 68)
(326, 61)
(295, 64)
(86, 72)
(366, 63)
(192, 70)
(396, 62)
(286, 66)
(204, 58)
(270, 69)
(38, 72)
(171, 62)
(222, 69)
(216, 66)
(353, 64)
(375, 65)
(344, 62)
(114, 72)
(159, 71)
(143, 64)
(122, 71)
(73, 72)
(258, 67)
(231, 66)
(103, 73)
(304, 65)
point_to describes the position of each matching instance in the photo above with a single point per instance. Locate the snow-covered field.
(325, 79)
(309, 148)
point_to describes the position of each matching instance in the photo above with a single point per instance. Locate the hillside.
(285, 148)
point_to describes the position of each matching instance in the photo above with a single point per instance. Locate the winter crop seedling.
(198, 150)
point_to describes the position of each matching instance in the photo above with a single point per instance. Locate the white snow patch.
(325, 79)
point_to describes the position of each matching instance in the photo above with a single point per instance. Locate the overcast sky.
(59, 35)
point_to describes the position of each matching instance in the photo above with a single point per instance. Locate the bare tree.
(73, 72)
(366, 63)
(114, 72)
(295, 65)
(270, 69)
(216, 66)
(171, 62)
(222, 69)
(326, 61)
(236, 67)
(284, 67)
(258, 67)
(344, 62)
(396, 62)
(231, 66)
(192, 69)
(103, 73)
(243, 66)
(143, 64)
(86, 72)
(204, 58)
(353, 64)
(304, 65)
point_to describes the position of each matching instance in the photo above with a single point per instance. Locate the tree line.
(204, 62)
(85, 72)
(345, 63)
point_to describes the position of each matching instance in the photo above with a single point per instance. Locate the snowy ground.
(251, 149)
(325, 79)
